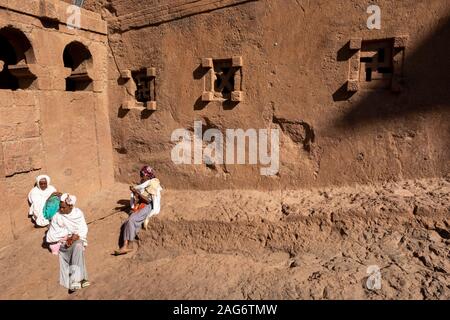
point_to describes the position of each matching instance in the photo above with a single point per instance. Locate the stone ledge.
(57, 11)
(156, 14)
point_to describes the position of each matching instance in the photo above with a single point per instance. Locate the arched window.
(16, 56)
(77, 57)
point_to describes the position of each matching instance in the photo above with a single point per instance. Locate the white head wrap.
(37, 198)
(69, 199)
(39, 178)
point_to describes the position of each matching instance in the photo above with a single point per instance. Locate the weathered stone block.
(151, 72)
(24, 98)
(22, 156)
(11, 132)
(237, 61)
(128, 105)
(207, 63)
(46, 83)
(208, 96)
(139, 105)
(47, 10)
(125, 74)
(355, 43)
(18, 114)
(98, 86)
(98, 25)
(56, 10)
(151, 105)
(352, 85)
(6, 98)
(237, 96)
(355, 66)
(400, 41)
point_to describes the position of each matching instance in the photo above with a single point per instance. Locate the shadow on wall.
(227, 105)
(426, 89)
(144, 113)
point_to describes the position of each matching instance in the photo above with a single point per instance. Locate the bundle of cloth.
(37, 198)
(150, 187)
(63, 225)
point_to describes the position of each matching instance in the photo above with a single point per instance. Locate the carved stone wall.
(45, 129)
(297, 63)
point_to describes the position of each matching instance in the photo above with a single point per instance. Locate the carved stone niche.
(79, 65)
(223, 79)
(17, 60)
(139, 88)
(376, 64)
(25, 73)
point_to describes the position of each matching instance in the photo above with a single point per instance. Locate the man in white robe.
(69, 227)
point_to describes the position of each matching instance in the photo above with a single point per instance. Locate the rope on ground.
(103, 218)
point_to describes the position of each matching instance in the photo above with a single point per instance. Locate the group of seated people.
(67, 229)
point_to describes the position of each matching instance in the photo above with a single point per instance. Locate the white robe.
(156, 199)
(37, 199)
(63, 225)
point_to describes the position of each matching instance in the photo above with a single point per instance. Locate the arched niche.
(78, 58)
(16, 59)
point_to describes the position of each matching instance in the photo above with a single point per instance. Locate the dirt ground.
(243, 244)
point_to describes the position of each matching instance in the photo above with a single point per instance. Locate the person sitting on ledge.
(145, 202)
(67, 236)
(37, 198)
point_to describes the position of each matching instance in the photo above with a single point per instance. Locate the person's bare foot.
(147, 220)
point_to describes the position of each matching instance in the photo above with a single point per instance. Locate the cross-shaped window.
(223, 80)
(376, 64)
(144, 86)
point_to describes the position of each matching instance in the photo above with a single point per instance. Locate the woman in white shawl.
(37, 198)
(68, 227)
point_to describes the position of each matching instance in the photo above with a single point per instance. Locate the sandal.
(85, 283)
(74, 287)
(120, 252)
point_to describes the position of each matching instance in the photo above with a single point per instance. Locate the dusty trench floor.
(243, 244)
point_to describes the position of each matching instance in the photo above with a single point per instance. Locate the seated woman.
(67, 235)
(145, 202)
(37, 198)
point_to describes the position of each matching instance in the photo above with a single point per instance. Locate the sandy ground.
(243, 244)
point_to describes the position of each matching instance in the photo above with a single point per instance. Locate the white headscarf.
(42, 177)
(69, 199)
(37, 198)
